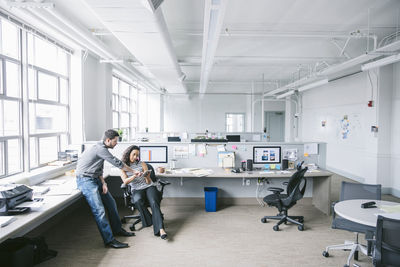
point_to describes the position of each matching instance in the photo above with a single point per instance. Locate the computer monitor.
(233, 138)
(266, 154)
(154, 154)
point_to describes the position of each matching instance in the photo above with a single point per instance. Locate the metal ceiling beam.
(214, 12)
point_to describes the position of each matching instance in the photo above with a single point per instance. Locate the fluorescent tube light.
(312, 85)
(381, 62)
(285, 94)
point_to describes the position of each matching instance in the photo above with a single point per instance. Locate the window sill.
(38, 175)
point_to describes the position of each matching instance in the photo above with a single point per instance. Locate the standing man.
(89, 174)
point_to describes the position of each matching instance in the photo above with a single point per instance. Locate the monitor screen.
(266, 154)
(154, 154)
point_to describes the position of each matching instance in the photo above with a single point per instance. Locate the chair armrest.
(285, 183)
(276, 190)
(163, 182)
(123, 186)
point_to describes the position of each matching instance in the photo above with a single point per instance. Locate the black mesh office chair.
(128, 193)
(354, 191)
(387, 243)
(283, 202)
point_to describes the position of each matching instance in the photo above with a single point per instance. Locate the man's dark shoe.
(116, 244)
(122, 232)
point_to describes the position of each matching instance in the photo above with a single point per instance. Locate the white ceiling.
(280, 40)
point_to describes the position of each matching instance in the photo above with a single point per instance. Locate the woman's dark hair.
(127, 153)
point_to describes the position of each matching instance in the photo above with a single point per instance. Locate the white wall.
(196, 114)
(354, 156)
(97, 98)
(395, 132)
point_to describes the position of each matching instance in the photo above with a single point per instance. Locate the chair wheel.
(276, 228)
(123, 220)
(263, 220)
(300, 227)
(325, 254)
(132, 227)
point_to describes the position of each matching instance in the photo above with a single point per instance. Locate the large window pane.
(14, 158)
(63, 142)
(47, 86)
(124, 89)
(62, 63)
(124, 104)
(63, 91)
(2, 171)
(11, 120)
(124, 120)
(1, 78)
(114, 85)
(115, 120)
(234, 122)
(10, 39)
(45, 54)
(12, 79)
(48, 149)
(31, 84)
(47, 118)
(33, 152)
(1, 119)
(31, 49)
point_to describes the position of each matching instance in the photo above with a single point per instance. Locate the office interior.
(282, 74)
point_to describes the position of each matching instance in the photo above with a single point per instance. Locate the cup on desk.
(160, 169)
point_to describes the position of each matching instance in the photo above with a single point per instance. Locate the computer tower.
(249, 165)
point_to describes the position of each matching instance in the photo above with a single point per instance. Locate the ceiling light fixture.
(312, 85)
(381, 62)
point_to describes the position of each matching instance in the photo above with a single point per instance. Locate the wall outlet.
(247, 182)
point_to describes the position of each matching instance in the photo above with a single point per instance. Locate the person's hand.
(138, 174)
(105, 188)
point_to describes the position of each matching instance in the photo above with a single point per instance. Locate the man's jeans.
(92, 190)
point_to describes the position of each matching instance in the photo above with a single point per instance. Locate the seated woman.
(143, 189)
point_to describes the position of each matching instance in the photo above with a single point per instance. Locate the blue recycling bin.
(210, 195)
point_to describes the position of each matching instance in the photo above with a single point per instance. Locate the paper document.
(202, 172)
(266, 171)
(40, 190)
(6, 220)
(54, 182)
(390, 208)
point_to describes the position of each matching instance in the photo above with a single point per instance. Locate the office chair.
(354, 191)
(285, 201)
(128, 194)
(387, 243)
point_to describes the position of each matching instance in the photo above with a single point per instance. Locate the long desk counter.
(321, 198)
(52, 204)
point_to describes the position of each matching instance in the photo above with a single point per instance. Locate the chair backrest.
(293, 188)
(360, 191)
(153, 176)
(387, 251)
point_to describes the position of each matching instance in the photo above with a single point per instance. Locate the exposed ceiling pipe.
(214, 12)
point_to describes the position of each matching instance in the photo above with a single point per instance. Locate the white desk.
(321, 197)
(53, 204)
(351, 210)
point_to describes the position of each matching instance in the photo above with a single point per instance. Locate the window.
(124, 106)
(47, 88)
(234, 122)
(10, 100)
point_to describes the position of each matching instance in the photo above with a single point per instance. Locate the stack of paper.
(54, 182)
(6, 220)
(202, 172)
(40, 190)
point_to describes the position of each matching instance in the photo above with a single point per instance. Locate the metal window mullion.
(25, 102)
(6, 157)
(48, 72)
(43, 135)
(47, 102)
(11, 59)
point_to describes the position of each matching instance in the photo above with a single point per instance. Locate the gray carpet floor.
(232, 236)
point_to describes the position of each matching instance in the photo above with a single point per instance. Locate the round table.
(352, 211)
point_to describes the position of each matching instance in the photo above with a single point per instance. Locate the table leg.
(321, 197)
